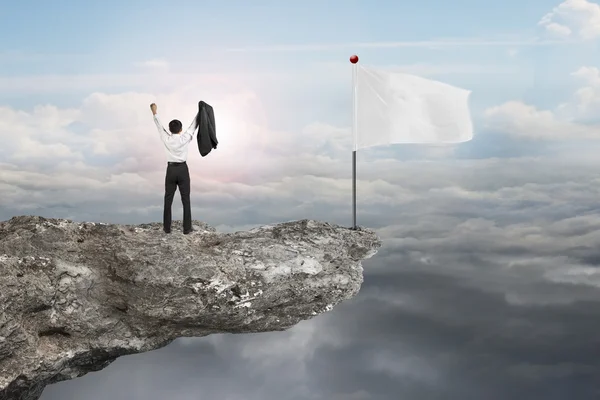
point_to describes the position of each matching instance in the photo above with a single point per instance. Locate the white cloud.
(116, 153)
(586, 100)
(115, 159)
(156, 64)
(574, 119)
(579, 17)
(558, 29)
(519, 119)
(590, 75)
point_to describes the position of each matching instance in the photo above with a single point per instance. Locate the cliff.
(76, 296)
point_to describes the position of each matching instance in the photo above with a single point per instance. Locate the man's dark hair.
(175, 126)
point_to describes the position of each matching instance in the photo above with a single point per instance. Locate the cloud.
(579, 18)
(431, 44)
(108, 147)
(153, 81)
(557, 29)
(107, 160)
(523, 120)
(574, 119)
(155, 64)
(586, 100)
(486, 287)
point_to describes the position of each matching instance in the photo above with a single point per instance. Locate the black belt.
(175, 163)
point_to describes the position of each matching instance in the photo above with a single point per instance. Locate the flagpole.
(354, 60)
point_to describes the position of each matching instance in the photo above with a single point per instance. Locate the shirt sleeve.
(161, 130)
(189, 133)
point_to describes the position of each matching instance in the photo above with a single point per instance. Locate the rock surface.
(75, 296)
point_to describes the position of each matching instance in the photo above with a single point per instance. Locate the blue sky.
(72, 26)
(507, 220)
(74, 38)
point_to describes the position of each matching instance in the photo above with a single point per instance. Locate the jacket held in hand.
(207, 136)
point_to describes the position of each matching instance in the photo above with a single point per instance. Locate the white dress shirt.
(176, 144)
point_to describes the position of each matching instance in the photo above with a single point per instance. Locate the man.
(178, 175)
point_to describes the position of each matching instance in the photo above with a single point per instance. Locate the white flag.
(394, 107)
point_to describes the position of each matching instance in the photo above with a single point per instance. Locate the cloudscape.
(487, 284)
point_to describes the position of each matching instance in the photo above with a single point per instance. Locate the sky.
(487, 284)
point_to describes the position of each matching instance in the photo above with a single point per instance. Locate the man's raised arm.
(161, 130)
(189, 132)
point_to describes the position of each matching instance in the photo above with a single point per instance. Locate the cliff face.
(75, 296)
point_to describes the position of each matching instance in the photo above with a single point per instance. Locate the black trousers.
(178, 176)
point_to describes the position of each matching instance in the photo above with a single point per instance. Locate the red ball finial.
(354, 59)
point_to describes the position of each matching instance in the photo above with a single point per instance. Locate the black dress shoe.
(186, 232)
(169, 231)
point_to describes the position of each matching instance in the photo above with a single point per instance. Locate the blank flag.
(394, 107)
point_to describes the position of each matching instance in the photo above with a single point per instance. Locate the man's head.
(175, 126)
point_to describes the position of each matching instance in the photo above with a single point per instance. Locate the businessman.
(178, 175)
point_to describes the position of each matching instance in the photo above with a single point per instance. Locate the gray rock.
(75, 296)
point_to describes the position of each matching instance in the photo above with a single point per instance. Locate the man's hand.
(153, 108)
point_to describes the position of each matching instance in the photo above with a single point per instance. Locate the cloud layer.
(486, 287)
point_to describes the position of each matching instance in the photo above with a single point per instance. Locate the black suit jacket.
(207, 136)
